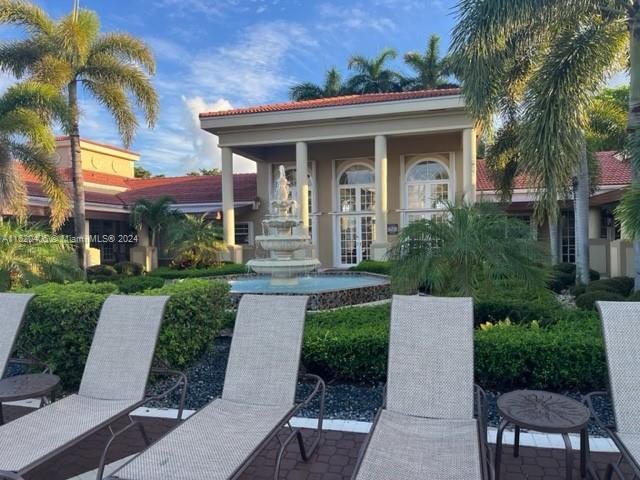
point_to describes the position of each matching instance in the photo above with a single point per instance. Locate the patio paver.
(335, 459)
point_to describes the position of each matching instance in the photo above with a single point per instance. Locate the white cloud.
(251, 70)
(354, 18)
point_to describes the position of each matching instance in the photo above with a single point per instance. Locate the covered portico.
(360, 167)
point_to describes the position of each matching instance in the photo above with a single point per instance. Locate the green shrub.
(129, 269)
(568, 356)
(515, 302)
(138, 284)
(192, 319)
(225, 269)
(373, 266)
(349, 343)
(352, 344)
(577, 290)
(563, 276)
(565, 268)
(61, 321)
(634, 297)
(587, 301)
(620, 285)
(101, 273)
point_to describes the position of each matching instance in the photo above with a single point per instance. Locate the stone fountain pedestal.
(281, 243)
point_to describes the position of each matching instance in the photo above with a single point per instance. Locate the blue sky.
(215, 54)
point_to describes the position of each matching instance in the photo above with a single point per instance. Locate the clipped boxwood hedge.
(352, 344)
(518, 304)
(224, 269)
(587, 301)
(61, 320)
(129, 285)
(373, 266)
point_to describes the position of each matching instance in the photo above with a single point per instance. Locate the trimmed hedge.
(517, 304)
(61, 320)
(138, 284)
(563, 276)
(634, 297)
(129, 269)
(587, 301)
(620, 285)
(352, 344)
(225, 269)
(101, 273)
(373, 266)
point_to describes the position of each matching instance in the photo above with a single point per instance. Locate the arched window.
(358, 175)
(357, 189)
(427, 185)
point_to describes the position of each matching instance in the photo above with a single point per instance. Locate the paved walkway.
(335, 459)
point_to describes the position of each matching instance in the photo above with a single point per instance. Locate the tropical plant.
(431, 70)
(372, 74)
(608, 120)
(332, 87)
(204, 172)
(573, 48)
(26, 112)
(141, 172)
(32, 254)
(197, 241)
(449, 254)
(71, 53)
(154, 215)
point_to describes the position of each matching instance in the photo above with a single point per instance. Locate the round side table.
(21, 387)
(548, 413)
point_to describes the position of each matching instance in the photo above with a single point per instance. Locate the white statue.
(282, 192)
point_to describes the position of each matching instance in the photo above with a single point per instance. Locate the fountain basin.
(283, 272)
(330, 289)
(283, 243)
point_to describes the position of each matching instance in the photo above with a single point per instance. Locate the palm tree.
(372, 74)
(575, 46)
(332, 87)
(153, 214)
(26, 112)
(198, 242)
(31, 254)
(431, 70)
(71, 53)
(449, 254)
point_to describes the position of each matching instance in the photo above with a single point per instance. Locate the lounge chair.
(426, 429)
(258, 399)
(112, 386)
(13, 307)
(621, 329)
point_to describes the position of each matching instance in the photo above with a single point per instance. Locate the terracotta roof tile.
(336, 102)
(614, 170)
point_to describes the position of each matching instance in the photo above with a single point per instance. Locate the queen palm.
(431, 70)
(372, 75)
(574, 45)
(72, 54)
(332, 87)
(26, 113)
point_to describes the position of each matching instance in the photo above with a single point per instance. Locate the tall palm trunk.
(79, 220)
(581, 216)
(634, 114)
(553, 240)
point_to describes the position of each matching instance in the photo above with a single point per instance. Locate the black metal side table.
(21, 387)
(548, 413)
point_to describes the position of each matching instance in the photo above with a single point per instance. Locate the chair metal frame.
(182, 380)
(305, 452)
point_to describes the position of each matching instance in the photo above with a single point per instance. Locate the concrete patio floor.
(335, 459)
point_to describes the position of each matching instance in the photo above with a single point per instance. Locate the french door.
(356, 236)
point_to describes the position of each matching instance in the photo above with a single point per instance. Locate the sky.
(220, 54)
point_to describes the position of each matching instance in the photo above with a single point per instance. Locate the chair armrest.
(181, 381)
(482, 415)
(319, 387)
(588, 401)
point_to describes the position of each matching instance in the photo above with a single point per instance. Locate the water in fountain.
(281, 242)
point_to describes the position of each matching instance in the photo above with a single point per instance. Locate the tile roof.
(614, 170)
(191, 189)
(336, 102)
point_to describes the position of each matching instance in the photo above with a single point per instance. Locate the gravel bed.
(344, 401)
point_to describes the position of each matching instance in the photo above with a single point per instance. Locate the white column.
(469, 164)
(380, 238)
(228, 213)
(595, 223)
(302, 184)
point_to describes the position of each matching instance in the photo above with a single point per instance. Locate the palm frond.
(19, 56)
(305, 91)
(628, 211)
(13, 194)
(25, 14)
(503, 159)
(44, 99)
(126, 48)
(113, 98)
(77, 35)
(40, 164)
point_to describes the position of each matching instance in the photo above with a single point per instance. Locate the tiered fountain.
(281, 242)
